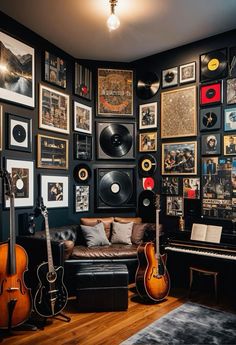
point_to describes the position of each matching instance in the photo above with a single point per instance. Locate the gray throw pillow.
(121, 232)
(95, 235)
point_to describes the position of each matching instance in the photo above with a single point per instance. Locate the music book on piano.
(206, 233)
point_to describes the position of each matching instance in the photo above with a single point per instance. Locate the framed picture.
(55, 70)
(191, 188)
(170, 77)
(17, 83)
(174, 206)
(147, 141)
(19, 133)
(82, 118)
(210, 119)
(82, 147)
(22, 173)
(211, 93)
(213, 65)
(231, 91)
(175, 105)
(230, 144)
(1, 129)
(148, 116)
(211, 144)
(54, 191)
(54, 110)
(83, 81)
(81, 198)
(52, 152)
(187, 73)
(179, 158)
(232, 63)
(230, 119)
(115, 92)
(170, 185)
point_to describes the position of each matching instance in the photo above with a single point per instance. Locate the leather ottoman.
(102, 287)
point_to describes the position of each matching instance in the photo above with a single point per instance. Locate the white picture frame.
(54, 190)
(187, 73)
(82, 198)
(148, 115)
(82, 118)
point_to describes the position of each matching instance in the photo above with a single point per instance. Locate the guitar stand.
(63, 316)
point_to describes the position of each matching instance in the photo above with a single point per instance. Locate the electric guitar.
(152, 279)
(51, 296)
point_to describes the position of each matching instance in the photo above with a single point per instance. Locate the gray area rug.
(189, 324)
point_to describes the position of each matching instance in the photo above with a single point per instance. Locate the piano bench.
(203, 272)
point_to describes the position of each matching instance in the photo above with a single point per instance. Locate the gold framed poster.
(179, 113)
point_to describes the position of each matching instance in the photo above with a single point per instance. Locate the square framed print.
(179, 158)
(230, 119)
(232, 63)
(170, 77)
(187, 73)
(82, 198)
(82, 147)
(17, 83)
(1, 129)
(230, 144)
(174, 206)
(210, 119)
(82, 118)
(175, 105)
(211, 93)
(147, 141)
(54, 191)
(115, 92)
(54, 110)
(191, 188)
(83, 81)
(22, 173)
(148, 115)
(211, 144)
(55, 70)
(52, 152)
(19, 136)
(231, 91)
(170, 185)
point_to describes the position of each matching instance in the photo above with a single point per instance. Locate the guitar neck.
(12, 240)
(49, 247)
(157, 234)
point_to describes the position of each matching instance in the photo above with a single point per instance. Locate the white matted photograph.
(82, 118)
(81, 198)
(174, 206)
(54, 191)
(148, 115)
(187, 73)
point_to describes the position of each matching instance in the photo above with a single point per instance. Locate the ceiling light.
(113, 21)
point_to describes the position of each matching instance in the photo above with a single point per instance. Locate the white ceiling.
(147, 26)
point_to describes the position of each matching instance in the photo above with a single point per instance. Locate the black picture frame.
(52, 152)
(211, 144)
(19, 133)
(210, 119)
(83, 81)
(54, 70)
(170, 185)
(82, 147)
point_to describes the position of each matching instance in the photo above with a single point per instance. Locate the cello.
(152, 278)
(15, 297)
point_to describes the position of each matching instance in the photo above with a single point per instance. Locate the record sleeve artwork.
(115, 92)
(175, 105)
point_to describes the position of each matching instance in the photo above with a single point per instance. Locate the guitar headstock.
(158, 202)
(42, 207)
(8, 183)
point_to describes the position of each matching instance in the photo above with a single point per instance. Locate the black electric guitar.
(51, 296)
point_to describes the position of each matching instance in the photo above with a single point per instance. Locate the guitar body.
(51, 296)
(152, 279)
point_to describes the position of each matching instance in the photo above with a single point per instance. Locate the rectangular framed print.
(230, 144)
(187, 73)
(115, 92)
(81, 198)
(54, 110)
(211, 93)
(147, 141)
(211, 144)
(191, 188)
(231, 91)
(22, 173)
(170, 185)
(83, 81)
(148, 115)
(174, 206)
(82, 118)
(52, 152)
(230, 119)
(19, 136)
(55, 70)
(17, 83)
(170, 77)
(54, 191)
(82, 147)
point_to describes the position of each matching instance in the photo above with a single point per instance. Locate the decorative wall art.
(211, 93)
(19, 133)
(54, 110)
(232, 64)
(187, 73)
(52, 152)
(115, 92)
(55, 70)
(174, 206)
(147, 141)
(170, 77)
(82, 147)
(230, 119)
(230, 144)
(210, 119)
(82, 118)
(83, 81)
(191, 188)
(178, 113)
(81, 198)
(54, 191)
(231, 91)
(148, 116)
(1, 130)
(170, 185)
(211, 144)
(214, 65)
(17, 74)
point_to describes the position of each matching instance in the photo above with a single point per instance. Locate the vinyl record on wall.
(82, 173)
(211, 93)
(115, 188)
(147, 165)
(214, 65)
(148, 183)
(148, 85)
(146, 203)
(115, 140)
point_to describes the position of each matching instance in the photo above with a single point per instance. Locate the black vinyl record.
(19, 133)
(146, 202)
(82, 173)
(214, 65)
(148, 85)
(115, 188)
(116, 140)
(147, 165)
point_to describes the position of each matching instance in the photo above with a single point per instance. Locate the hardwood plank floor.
(105, 328)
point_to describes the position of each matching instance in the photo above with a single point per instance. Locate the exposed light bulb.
(113, 22)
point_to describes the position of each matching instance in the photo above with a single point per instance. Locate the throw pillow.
(138, 233)
(121, 232)
(95, 235)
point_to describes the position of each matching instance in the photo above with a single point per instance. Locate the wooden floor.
(109, 328)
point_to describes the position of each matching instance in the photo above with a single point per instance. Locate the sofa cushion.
(114, 251)
(121, 233)
(128, 219)
(93, 221)
(95, 235)
(138, 232)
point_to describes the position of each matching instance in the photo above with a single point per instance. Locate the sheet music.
(213, 233)
(206, 233)
(198, 232)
